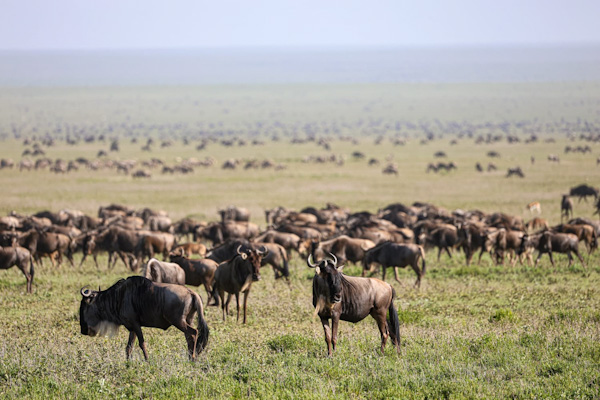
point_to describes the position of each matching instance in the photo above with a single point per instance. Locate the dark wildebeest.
(236, 275)
(120, 241)
(444, 237)
(583, 191)
(473, 237)
(198, 272)
(163, 272)
(507, 241)
(515, 171)
(337, 296)
(276, 255)
(396, 255)
(235, 214)
(136, 302)
(566, 207)
(21, 257)
(584, 232)
(549, 242)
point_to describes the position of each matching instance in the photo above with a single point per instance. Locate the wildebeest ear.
(244, 256)
(317, 270)
(339, 268)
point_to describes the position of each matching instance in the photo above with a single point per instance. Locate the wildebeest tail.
(422, 251)
(394, 322)
(203, 330)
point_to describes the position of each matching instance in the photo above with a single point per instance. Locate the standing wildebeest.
(515, 171)
(289, 241)
(473, 237)
(198, 272)
(583, 191)
(163, 272)
(566, 207)
(188, 249)
(584, 232)
(344, 247)
(136, 302)
(444, 237)
(41, 243)
(236, 275)
(21, 257)
(395, 255)
(337, 296)
(235, 214)
(276, 255)
(549, 242)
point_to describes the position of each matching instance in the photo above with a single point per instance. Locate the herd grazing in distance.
(225, 255)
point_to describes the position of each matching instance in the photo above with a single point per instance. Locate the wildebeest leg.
(237, 306)
(537, 260)
(384, 268)
(246, 293)
(379, 317)
(82, 259)
(129, 347)
(327, 331)
(551, 259)
(224, 303)
(70, 258)
(440, 253)
(397, 278)
(415, 267)
(335, 322)
(141, 342)
(191, 336)
(580, 258)
(570, 259)
(480, 255)
(448, 251)
(95, 257)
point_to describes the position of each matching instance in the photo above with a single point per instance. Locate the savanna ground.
(483, 331)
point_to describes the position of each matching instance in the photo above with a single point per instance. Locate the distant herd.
(225, 256)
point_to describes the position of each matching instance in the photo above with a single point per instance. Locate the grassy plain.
(483, 331)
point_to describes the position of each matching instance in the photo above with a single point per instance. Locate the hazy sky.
(127, 24)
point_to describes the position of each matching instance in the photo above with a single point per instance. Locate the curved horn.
(263, 250)
(310, 264)
(238, 249)
(85, 291)
(334, 259)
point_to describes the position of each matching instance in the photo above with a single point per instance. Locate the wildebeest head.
(90, 316)
(254, 257)
(331, 273)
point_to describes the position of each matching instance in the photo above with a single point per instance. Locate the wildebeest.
(21, 257)
(337, 296)
(289, 241)
(197, 272)
(566, 207)
(396, 255)
(549, 242)
(584, 232)
(236, 275)
(163, 272)
(190, 248)
(235, 214)
(136, 302)
(344, 247)
(583, 191)
(515, 171)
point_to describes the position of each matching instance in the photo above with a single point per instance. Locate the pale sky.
(166, 24)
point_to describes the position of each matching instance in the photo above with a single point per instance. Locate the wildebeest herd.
(225, 256)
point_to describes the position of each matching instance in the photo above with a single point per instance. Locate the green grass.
(483, 331)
